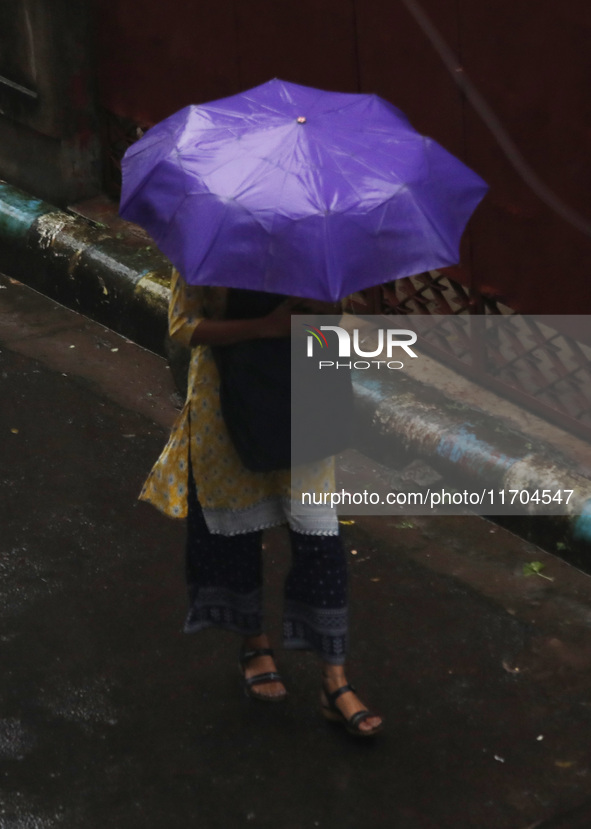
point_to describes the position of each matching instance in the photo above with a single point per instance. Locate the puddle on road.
(23, 580)
(14, 819)
(87, 705)
(16, 739)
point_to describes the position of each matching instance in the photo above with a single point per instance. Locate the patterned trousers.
(224, 580)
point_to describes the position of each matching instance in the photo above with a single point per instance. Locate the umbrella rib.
(310, 108)
(212, 242)
(427, 220)
(222, 164)
(215, 169)
(173, 217)
(140, 184)
(365, 163)
(286, 173)
(234, 130)
(352, 185)
(383, 259)
(267, 107)
(179, 161)
(347, 105)
(367, 166)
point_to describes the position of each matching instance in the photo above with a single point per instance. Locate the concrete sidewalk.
(111, 716)
(110, 270)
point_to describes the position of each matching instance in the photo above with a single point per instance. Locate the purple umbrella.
(293, 190)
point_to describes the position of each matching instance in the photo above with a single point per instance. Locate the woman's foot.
(347, 704)
(256, 660)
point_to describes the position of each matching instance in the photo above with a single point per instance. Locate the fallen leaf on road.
(346, 523)
(564, 764)
(14, 431)
(374, 579)
(509, 669)
(353, 552)
(405, 525)
(534, 568)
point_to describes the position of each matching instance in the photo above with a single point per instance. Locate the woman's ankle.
(261, 640)
(333, 674)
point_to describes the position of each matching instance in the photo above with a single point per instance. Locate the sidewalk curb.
(469, 448)
(83, 266)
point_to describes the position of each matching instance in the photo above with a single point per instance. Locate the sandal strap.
(357, 718)
(332, 696)
(259, 679)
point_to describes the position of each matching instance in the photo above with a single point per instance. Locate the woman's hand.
(278, 322)
(229, 332)
(275, 324)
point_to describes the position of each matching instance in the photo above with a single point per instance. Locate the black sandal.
(250, 682)
(334, 714)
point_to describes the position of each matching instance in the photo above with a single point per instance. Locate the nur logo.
(389, 339)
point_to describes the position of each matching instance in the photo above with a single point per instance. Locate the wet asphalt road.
(109, 715)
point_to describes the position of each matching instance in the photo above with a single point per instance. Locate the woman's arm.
(228, 332)
(189, 325)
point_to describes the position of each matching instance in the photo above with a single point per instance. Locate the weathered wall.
(48, 134)
(530, 60)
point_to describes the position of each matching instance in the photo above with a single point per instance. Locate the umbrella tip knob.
(301, 119)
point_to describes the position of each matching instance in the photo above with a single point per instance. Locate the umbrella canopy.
(294, 190)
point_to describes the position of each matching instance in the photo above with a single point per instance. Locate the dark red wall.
(531, 61)
(159, 56)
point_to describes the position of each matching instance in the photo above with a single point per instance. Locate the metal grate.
(524, 358)
(545, 364)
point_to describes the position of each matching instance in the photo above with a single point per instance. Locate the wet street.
(110, 715)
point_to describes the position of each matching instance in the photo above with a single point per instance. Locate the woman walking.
(199, 476)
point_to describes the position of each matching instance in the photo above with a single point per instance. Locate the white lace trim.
(316, 520)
